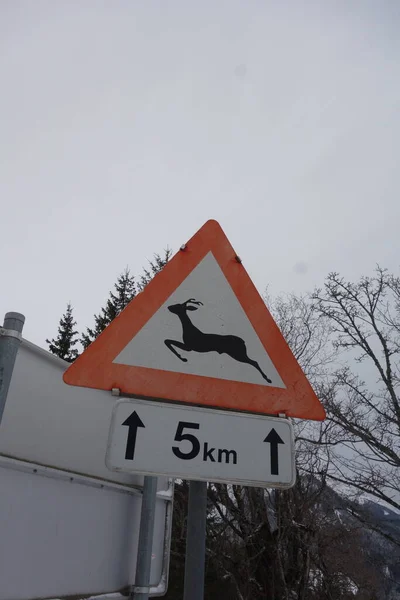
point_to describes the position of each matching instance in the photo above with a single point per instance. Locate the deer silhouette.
(195, 340)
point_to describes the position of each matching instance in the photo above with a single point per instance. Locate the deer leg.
(255, 364)
(243, 358)
(238, 351)
(170, 345)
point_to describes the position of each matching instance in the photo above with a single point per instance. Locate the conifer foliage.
(125, 290)
(155, 266)
(63, 344)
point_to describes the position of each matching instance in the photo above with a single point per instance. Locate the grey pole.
(196, 541)
(145, 545)
(10, 339)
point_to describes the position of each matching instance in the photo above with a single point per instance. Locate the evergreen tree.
(125, 290)
(155, 266)
(63, 345)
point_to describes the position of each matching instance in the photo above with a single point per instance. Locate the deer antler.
(193, 301)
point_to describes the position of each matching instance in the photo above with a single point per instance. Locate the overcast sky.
(126, 125)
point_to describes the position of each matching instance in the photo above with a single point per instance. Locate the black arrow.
(274, 439)
(133, 422)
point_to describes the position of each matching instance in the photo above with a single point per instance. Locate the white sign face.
(201, 443)
(67, 539)
(216, 310)
(58, 501)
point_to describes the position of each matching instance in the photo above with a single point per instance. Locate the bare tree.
(306, 332)
(289, 544)
(262, 541)
(362, 396)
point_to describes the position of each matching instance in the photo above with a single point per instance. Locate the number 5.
(180, 437)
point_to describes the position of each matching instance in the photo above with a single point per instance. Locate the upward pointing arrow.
(133, 422)
(274, 439)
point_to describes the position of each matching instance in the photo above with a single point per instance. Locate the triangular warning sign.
(200, 333)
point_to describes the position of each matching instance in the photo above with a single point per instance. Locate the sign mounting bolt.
(238, 259)
(183, 247)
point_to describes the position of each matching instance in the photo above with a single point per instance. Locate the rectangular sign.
(59, 503)
(200, 443)
(56, 425)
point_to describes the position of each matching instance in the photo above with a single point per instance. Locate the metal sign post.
(141, 588)
(10, 339)
(196, 541)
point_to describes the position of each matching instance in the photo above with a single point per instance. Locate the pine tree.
(125, 290)
(156, 265)
(63, 345)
